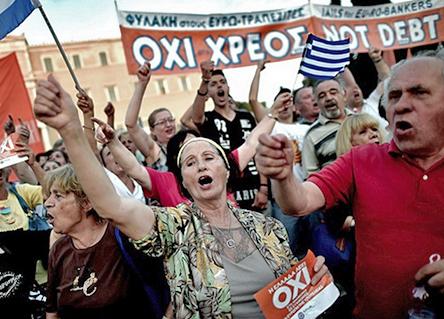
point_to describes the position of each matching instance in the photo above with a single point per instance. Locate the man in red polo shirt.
(396, 192)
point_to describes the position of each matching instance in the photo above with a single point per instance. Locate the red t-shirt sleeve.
(336, 180)
(155, 181)
(235, 155)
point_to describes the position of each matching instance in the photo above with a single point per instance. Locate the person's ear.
(86, 206)
(347, 93)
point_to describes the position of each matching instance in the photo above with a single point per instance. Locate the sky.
(77, 20)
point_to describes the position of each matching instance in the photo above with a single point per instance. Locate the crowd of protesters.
(191, 219)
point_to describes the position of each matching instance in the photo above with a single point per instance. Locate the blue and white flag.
(323, 59)
(13, 12)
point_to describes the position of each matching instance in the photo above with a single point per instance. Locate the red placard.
(14, 100)
(292, 295)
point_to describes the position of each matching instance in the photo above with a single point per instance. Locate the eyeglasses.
(163, 122)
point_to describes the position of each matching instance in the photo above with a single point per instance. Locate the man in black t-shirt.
(230, 128)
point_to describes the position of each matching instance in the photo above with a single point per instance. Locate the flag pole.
(59, 46)
(296, 79)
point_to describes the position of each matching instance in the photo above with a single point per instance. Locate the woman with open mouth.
(162, 186)
(88, 276)
(216, 256)
(161, 122)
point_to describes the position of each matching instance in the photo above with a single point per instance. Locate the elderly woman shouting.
(216, 256)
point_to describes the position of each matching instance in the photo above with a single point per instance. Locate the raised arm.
(206, 67)
(187, 119)
(23, 149)
(258, 109)
(349, 80)
(9, 126)
(54, 107)
(105, 134)
(274, 159)
(109, 110)
(248, 149)
(381, 66)
(86, 105)
(23, 170)
(141, 139)
(25, 173)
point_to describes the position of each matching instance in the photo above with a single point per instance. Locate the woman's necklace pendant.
(230, 243)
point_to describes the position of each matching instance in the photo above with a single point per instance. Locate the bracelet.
(377, 61)
(204, 80)
(272, 117)
(88, 128)
(202, 94)
(265, 185)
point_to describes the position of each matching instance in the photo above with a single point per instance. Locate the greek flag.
(13, 12)
(323, 59)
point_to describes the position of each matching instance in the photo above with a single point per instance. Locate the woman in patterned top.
(216, 256)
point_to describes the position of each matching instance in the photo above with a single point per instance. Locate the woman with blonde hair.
(358, 129)
(88, 275)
